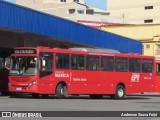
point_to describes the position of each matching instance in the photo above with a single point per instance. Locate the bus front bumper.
(22, 89)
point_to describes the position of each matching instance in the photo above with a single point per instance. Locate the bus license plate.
(18, 88)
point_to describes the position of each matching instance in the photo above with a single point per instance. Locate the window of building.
(62, 0)
(148, 21)
(62, 61)
(80, 11)
(147, 65)
(135, 65)
(148, 7)
(121, 64)
(75, 0)
(107, 63)
(92, 62)
(90, 11)
(77, 62)
(71, 11)
(148, 46)
(158, 49)
(142, 49)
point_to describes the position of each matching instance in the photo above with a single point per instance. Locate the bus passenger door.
(46, 73)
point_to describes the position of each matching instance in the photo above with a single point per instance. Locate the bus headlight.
(32, 83)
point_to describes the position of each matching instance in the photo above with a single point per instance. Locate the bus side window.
(147, 65)
(135, 65)
(121, 64)
(62, 61)
(77, 62)
(92, 62)
(158, 69)
(107, 63)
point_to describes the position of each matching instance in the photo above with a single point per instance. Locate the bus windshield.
(24, 66)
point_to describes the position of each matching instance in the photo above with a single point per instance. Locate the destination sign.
(25, 51)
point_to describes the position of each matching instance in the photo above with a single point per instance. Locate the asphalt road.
(138, 102)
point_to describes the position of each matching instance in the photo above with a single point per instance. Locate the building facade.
(135, 11)
(21, 26)
(148, 34)
(74, 10)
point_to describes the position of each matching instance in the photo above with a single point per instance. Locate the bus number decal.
(135, 77)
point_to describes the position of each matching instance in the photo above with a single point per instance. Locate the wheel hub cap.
(120, 92)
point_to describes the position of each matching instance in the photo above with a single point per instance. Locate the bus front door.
(46, 73)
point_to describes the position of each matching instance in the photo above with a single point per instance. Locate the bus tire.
(65, 91)
(94, 96)
(120, 92)
(35, 95)
(61, 91)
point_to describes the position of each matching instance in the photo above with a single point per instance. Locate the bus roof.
(90, 51)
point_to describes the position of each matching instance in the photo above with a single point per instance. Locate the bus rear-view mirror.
(8, 63)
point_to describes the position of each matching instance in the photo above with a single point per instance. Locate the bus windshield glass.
(24, 66)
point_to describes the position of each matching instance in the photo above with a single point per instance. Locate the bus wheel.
(35, 95)
(61, 91)
(93, 96)
(120, 92)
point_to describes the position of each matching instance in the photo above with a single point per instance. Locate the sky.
(13, 1)
(101, 4)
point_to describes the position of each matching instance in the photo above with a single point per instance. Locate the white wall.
(133, 10)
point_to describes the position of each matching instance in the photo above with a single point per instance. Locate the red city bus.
(64, 72)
